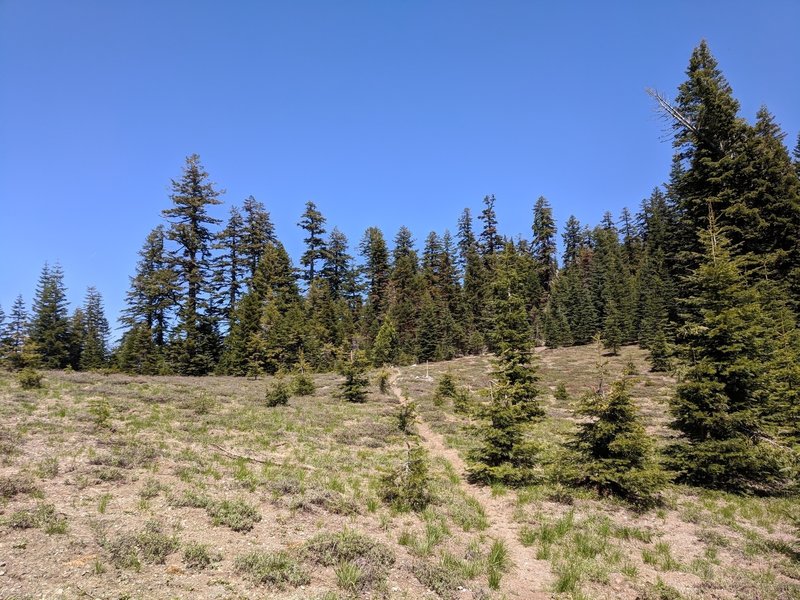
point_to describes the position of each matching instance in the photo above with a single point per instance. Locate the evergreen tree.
(153, 294)
(490, 239)
(258, 233)
(385, 347)
(16, 333)
(195, 340)
(231, 266)
(573, 241)
(138, 352)
(717, 406)
(336, 264)
(544, 242)
(615, 453)
(96, 331)
(405, 294)
(49, 327)
(313, 223)
(475, 286)
(77, 337)
(376, 273)
(355, 384)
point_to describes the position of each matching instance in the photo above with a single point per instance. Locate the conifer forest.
(573, 410)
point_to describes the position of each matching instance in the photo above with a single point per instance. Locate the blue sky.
(383, 113)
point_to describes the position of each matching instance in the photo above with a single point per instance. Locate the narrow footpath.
(528, 577)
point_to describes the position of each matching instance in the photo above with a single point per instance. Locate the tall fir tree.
(725, 339)
(313, 223)
(230, 266)
(490, 239)
(258, 233)
(96, 332)
(195, 340)
(49, 327)
(544, 242)
(153, 294)
(16, 333)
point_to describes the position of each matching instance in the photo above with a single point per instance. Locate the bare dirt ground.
(114, 486)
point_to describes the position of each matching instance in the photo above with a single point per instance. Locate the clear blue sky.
(384, 113)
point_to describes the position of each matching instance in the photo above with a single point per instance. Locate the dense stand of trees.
(706, 275)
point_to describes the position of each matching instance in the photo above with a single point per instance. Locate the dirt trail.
(529, 577)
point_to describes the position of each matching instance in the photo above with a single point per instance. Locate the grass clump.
(15, 484)
(48, 468)
(150, 545)
(44, 517)
(277, 569)
(438, 577)
(236, 514)
(197, 556)
(372, 558)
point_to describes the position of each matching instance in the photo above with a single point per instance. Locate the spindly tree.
(230, 266)
(544, 242)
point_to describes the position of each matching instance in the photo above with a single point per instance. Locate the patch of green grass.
(348, 576)
(102, 504)
(660, 557)
(47, 468)
(373, 558)
(236, 514)
(44, 517)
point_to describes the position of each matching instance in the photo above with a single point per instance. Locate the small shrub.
(48, 468)
(102, 505)
(276, 569)
(355, 384)
(236, 514)
(150, 489)
(277, 393)
(29, 379)
(44, 517)
(197, 556)
(100, 411)
(303, 385)
(12, 485)
(462, 403)
(334, 549)
(154, 544)
(439, 578)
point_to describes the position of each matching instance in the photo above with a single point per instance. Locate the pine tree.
(615, 454)
(336, 264)
(376, 274)
(258, 233)
(195, 341)
(490, 239)
(355, 384)
(544, 242)
(17, 333)
(49, 327)
(96, 331)
(385, 347)
(573, 241)
(153, 294)
(405, 287)
(230, 266)
(138, 352)
(725, 340)
(313, 223)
